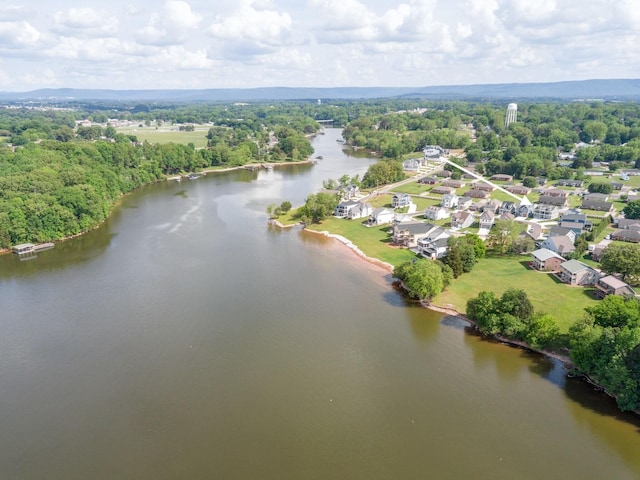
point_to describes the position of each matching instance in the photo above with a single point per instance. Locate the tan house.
(574, 272)
(610, 285)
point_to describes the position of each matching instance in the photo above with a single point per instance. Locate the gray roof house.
(574, 272)
(436, 212)
(408, 234)
(626, 235)
(450, 200)
(610, 285)
(462, 220)
(343, 208)
(598, 205)
(434, 245)
(361, 210)
(486, 219)
(381, 216)
(555, 200)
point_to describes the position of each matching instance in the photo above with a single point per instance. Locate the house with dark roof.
(545, 260)
(485, 187)
(563, 182)
(408, 234)
(556, 201)
(518, 190)
(610, 285)
(597, 205)
(501, 177)
(576, 221)
(574, 272)
(477, 193)
(429, 181)
(558, 231)
(626, 235)
(453, 183)
(509, 207)
(556, 192)
(442, 190)
(629, 223)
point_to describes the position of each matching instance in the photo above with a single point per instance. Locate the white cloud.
(253, 28)
(172, 26)
(18, 35)
(85, 22)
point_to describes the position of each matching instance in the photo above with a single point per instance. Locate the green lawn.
(413, 188)
(546, 292)
(169, 134)
(373, 241)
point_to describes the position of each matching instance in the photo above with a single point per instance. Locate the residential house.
(349, 191)
(558, 231)
(518, 189)
(453, 183)
(626, 235)
(507, 216)
(598, 205)
(408, 234)
(629, 224)
(400, 200)
(509, 207)
(617, 185)
(576, 221)
(534, 231)
(556, 201)
(525, 209)
(556, 192)
(545, 260)
(433, 151)
(545, 212)
(476, 206)
(429, 181)
(450, 200)
(361, 210)
(434, 245)
(603, 197)
(443, 173)
(477, 193)
(492, 205)
(436, 212)
(343, 208)
(610, 285)
(381, 216)
(487, 219)
(500, 177)
(485, 187)
(574, 272)
(462, 219)
(411, 165)
(464, 203)
(442, 190)
(562, 245)
(563, 182)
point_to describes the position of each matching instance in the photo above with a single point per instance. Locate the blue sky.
(146, 44)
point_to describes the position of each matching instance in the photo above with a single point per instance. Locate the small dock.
(28, 248)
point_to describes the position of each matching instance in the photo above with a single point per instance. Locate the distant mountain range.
(573, 90)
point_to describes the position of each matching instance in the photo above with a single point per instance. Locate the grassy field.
(169, 134)
(545, 291)
(373, 241)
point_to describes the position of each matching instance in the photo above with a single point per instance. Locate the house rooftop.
(544, 254)
(574, 266)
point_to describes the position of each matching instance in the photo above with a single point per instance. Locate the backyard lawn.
(169, 134)
(545, 291)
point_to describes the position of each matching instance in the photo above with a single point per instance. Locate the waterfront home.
(343, 208)
(574, 272)
(408, 234)
(562, 245)
(436, 212)
(544, 259)
(349, 191)
(462, 219)
(610, 285)
(411, 165)
(434, 245)
(361, 210)
(381, 216)
(400, 200)
(450, 200)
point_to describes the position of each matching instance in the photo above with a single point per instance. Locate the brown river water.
(188, 339)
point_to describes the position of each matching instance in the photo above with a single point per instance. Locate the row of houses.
(574, 272)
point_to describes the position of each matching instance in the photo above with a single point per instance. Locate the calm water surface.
(186, 339)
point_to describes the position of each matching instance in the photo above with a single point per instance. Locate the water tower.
(512, 114)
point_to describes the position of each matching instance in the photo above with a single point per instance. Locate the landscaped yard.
(545, 291)
(373, 241)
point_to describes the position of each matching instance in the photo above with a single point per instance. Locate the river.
(188, 339)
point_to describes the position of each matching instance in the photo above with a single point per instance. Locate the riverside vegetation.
(58, 179)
